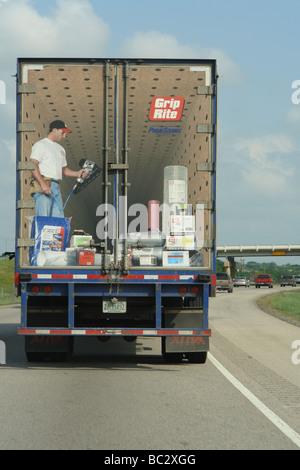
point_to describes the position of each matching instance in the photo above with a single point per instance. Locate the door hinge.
(26, 204)
(206, 90)
(26, 166)
(26, 127)
(206, 167)
(206, 128)
(25, 242)
(26, 89)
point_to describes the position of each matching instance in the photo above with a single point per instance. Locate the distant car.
(287, 281)
(224, 282)
(297, 279)
(241, 282)
(264, 280)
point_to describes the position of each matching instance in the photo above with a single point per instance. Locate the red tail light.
(47, 290)
(35, 289)
(182, 290)
(195, 290)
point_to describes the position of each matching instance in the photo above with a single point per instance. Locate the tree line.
(253, 268)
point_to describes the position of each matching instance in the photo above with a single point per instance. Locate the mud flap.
(186, 344)
(184, 318)
(48, 348)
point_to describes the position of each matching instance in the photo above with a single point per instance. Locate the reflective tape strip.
(147, 277)
(42, 276)
(68, 276)
(114, 332)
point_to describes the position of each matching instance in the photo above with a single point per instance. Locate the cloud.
(293, 115)
(72, 30)
(265, 163)
(161, 45)
(10, 149)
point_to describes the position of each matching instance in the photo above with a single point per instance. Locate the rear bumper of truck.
(56, 304)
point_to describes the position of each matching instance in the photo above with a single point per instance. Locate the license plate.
(114, 307)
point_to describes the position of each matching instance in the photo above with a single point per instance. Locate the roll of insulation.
(144, 239)
(146, 256)
(52, 258)
(153, 215)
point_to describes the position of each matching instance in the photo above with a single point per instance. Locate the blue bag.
(50, 234)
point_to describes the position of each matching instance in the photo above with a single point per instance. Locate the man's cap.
(59, 125)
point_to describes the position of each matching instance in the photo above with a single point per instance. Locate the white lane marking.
(284, 427)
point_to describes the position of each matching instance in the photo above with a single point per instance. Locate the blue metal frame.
(155, 290)
(18, 110)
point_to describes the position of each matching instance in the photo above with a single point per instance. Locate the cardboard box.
(182, 223)
(176, 258)
(146, 257)
(180, 242)
(86, 258)
(80, 240)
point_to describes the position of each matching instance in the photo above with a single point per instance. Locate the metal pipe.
(107, 72)
(116, 172)
(126, 150)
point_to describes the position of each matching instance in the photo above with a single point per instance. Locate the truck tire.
(173, 358)
(197, 357)
(47, 357)
(170, 357)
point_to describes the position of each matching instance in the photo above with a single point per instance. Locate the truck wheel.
(173, 358)
(47, 357)
(129, 339)
(197, 357)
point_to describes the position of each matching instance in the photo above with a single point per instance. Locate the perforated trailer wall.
(107, 105)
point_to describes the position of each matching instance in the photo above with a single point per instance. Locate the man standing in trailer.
(50, 166)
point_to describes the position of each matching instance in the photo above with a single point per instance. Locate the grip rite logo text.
(166, 109)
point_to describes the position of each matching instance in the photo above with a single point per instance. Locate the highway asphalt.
(122, 396)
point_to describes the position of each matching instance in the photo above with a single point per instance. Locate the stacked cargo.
(178, 218)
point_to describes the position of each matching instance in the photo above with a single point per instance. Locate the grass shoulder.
(282, 305)
(7, 280)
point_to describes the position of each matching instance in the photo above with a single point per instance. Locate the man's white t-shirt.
(51, 157)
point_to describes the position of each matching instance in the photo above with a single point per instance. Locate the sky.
(256, 44)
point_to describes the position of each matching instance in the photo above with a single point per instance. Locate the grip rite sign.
(166, 108)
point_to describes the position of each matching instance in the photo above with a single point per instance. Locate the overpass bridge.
(232, 251)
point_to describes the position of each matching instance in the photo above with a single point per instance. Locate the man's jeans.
(49, 205)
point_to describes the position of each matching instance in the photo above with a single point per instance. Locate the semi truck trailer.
(135, 253)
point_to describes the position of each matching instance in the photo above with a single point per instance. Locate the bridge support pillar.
(230, 266)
